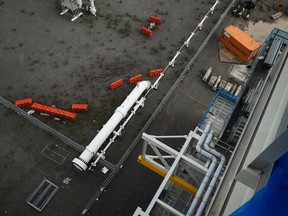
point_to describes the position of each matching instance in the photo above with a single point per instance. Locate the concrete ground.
(57, 62)
(45, 56)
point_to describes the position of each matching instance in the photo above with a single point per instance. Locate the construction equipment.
(242, 9)
(212, 81)
(207, 74)
(75, 7)
(214, 88)
(278, 6)
(222, 84)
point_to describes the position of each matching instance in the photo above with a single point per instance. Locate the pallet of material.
(276, 15)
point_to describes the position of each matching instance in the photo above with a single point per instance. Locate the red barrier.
(147, 32)
(113, 85)
(116, 84)
(135, 79)
(53, 111)
(156, 72)
(132, 80)
(69, 115)
(138, 77)
(119, 82)
(79, 107)
(24, 102)
(155, 19)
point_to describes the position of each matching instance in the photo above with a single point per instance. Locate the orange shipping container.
(239, 43)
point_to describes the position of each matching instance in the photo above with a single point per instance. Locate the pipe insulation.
(120, 113)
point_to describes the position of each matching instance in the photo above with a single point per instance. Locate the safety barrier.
(53, 111)
(146, 32)
(79, 107)
(155, 19)
(135, 79)
(156, 72)
(116, 84)
(24, 102)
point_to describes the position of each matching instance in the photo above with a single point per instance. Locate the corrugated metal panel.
(239, 43)
(242, 38)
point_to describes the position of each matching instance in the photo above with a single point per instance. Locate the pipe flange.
(79, 164)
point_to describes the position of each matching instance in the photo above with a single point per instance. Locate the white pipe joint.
(187, 42)
(213, 7)
(81, 162)
(172, 62)
(200, 25)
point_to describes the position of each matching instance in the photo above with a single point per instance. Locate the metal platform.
(42, 195)
(219, 112)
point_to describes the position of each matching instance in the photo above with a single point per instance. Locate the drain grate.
(42, 195)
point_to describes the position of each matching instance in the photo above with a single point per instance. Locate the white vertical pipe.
(214, 179)
(81, 162)
(209, 172)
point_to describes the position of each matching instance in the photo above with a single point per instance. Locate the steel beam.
(175, 179)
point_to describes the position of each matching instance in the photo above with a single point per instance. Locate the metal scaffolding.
(176, 192)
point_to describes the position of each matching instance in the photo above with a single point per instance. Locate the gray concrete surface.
(54, 61)
(45, 56)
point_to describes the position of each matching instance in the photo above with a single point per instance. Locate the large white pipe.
(214, 179)
(81, 162)
(210, 170)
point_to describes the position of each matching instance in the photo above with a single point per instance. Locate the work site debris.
(153, 22)
(27, 102)
(66, 180)
(239, 73)
(53, 111)
(79, 107)
(207, 74)
(276, 15)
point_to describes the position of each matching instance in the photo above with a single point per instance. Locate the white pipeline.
(81, 162)
(139, 103)
(213, 7)
(214, 179)
(210, 170)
